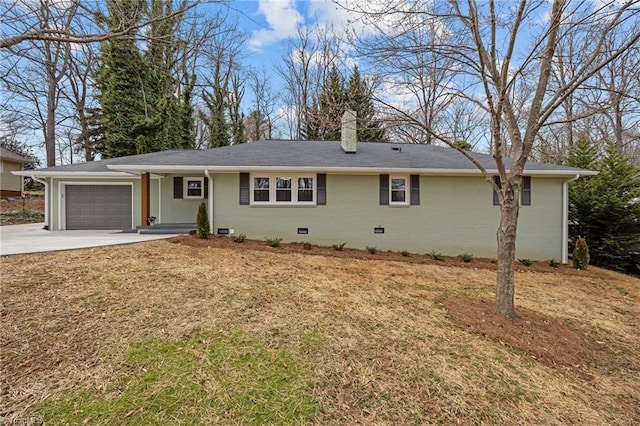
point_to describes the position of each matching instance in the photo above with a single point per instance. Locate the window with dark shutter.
(415, 190)
(526, 190)
(496, 200)
(384, 190)
(321, 188)
(244, 189)
(177, 186)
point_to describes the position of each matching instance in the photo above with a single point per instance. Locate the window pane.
(305, 195)
(261, 183)
(398, 196)
(305, 183)
(283, 195)
(282, 183)
(194, 188)
(261, 195)
(397, 184)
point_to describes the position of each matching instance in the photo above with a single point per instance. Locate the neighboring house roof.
(326, 156)
(8, 155)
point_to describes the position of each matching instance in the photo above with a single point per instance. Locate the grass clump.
(525, 262)
(553, 263)
(372, 249)
(435, 255)
(274, 242)
(466, 257)
(240, 238)
(404, 253)
(339, 247)
(202, 376)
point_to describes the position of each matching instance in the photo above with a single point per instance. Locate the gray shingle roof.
(8, 155)
(307, 154)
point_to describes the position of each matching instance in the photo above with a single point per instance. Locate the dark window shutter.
(244, 189)
(526, 190)
(206, 187)
(496, 200)
(415, 190)
(384, 190)
(177, 187)
(321, 189)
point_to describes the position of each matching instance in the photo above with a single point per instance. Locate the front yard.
(166, 332)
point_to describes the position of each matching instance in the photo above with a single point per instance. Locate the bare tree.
(496, 50)
(21, 25)
(303, 69)
(264, 104)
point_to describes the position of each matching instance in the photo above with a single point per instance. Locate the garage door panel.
(98, 206)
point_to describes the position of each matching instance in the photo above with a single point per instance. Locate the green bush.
(274, 242)
(553, 263)
(581, 254)
(240, 238)
(202, 221)
(466, 257)
(372, 250)
(525, 262)
(436, 256)
(339, 247)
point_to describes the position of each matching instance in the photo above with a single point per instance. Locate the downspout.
(46, 200)
(565, 218)
(210, 195)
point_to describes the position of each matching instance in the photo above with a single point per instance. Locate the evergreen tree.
(605, 209)
(146, 97)
(360, 100)
(120, 81)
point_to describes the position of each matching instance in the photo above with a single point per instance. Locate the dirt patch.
(549, 340)
(350, 253)
(18, 210)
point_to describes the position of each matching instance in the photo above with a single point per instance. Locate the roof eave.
(160, 169)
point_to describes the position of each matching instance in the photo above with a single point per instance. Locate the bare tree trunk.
(50, 134)
(506, 236)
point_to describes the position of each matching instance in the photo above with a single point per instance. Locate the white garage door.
(98, 206)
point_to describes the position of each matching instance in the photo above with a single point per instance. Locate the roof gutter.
(337, 170)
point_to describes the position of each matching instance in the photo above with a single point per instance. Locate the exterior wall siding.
(11, 185)
(456, 215)
(177, 210)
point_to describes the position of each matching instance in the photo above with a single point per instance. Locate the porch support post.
(145, 190)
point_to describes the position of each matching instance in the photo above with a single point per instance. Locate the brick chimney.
(349, 135)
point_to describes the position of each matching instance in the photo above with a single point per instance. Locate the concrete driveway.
(31, 238)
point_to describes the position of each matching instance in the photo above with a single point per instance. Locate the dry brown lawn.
(392, 340)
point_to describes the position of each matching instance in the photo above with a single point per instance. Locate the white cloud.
(283, 19)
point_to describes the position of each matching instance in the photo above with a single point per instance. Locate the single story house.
(10, 184)
(399, 197)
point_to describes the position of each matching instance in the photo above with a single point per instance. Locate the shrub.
(525, 262)
(372, 250)
(553, 263)
(306, 246)
(404, 253)
(494, 260)
(339, 247)
(435, 256)
(466, 257)
(581, 254)
(274, 242)
(240, 238)
(202, 221)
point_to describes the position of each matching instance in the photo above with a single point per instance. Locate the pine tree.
(120, 81)
(604, 208)
(360, 100)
